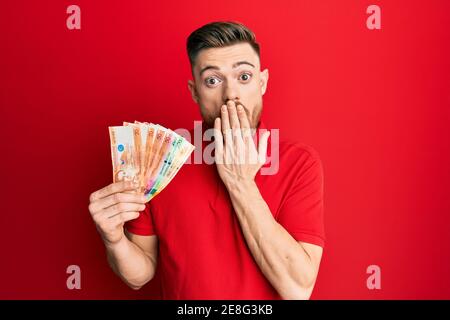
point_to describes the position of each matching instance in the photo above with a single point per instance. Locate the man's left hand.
(237, 158)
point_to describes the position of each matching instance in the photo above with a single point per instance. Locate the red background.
(373, 103)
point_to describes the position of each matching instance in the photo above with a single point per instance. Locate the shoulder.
(300, 163)
(298, 153)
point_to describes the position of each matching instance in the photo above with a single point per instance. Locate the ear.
(264, 75)
(191, 87)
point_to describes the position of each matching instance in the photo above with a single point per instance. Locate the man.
(224, 231)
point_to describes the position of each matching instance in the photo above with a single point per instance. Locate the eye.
(245, 76)
(211, 81)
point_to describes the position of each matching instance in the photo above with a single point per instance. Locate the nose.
(230, 92)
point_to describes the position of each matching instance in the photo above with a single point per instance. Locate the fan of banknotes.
(147, 154)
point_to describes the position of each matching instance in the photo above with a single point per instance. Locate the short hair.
(219, 34)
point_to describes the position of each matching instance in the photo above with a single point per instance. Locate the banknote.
(148, 154)
(124, 154)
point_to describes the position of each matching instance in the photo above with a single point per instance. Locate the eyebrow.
(237, 64)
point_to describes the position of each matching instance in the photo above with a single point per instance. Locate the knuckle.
(109, 188)
(117, 197)
(120, 206)
(124, 185)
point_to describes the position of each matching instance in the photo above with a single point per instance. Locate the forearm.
(280, 257)
(130, 263)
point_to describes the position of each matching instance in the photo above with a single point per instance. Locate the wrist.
(241, 186)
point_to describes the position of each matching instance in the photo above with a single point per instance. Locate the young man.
(223, 230)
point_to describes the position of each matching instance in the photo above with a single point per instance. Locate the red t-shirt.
(202, 251)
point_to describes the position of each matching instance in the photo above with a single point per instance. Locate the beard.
(253, 119)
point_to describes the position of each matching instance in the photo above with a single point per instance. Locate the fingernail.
(224, 108)
(239, 107)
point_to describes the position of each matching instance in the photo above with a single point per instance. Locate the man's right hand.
(112, 206)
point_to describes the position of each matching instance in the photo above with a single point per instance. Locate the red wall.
(373, 103)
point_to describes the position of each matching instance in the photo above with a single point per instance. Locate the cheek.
(253, 89)
(252, 95)
(209, 105)
(208, 95)
(210, 99)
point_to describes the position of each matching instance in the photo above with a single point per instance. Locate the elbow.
(137, 284)
(297, 293)
(134, 287)
(297, 290)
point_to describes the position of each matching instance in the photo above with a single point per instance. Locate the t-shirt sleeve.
(142, 225)
(301, 213)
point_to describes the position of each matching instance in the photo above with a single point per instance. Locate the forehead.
(226, 56)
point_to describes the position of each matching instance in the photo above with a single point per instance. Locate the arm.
(290, 266)
(134, 259)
